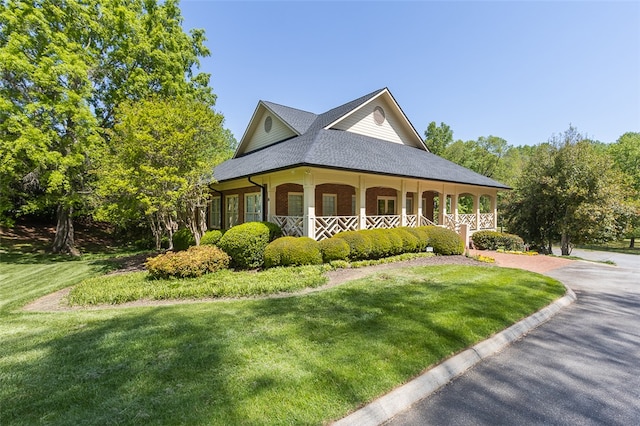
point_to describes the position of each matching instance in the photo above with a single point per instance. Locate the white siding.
(362, 122)
(260, 138)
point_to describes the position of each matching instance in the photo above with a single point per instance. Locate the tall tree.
(66, 66)
(159, 163)
(626, 156)
(437, 138)
(568, 191)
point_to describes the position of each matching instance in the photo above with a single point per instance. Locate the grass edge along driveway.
(306, 359)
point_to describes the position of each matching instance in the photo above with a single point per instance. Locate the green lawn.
(303, 359)
(621, 246)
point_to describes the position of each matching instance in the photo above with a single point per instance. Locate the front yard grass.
(621, 246)
(304, 359)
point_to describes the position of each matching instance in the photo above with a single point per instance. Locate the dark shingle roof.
(343, 150)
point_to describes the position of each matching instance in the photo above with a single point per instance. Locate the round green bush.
(211, 237)
(444, 241)
(286, 251)
(183, 239)
(245, 244)
(422, 235)
(512, 242)
(360, 244)
(486, 240)
(333, 249)
(274, 230)
(410, 242)
(193, 262)
(397, 245)
(381, 245)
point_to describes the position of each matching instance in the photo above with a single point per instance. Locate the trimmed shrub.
(512, 242)
(194, 262)
(360, 244)
(410, 242)
(274, 230)
(333, 249)
(444, 241)
(381, 244)
(492, 240)
(245, 244)
(397, 244)
(486, 240)
(211, 237)
(183, 239)
(288, 251)
(422, 235)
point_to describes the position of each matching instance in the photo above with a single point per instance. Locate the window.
(232, 210)
(329, 205)
(253, 207)
(386, 206)
(409, 205)
(214, 213)
(295, 203)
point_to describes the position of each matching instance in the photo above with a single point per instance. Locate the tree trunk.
(632, 243)
(64, 240)
(565, 244)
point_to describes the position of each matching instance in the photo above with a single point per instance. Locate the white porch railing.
(486, 220)
(450, 222)
(291, 225)
(387, 221)
(328, 226)
(411, 220)
(467, 219)
(426, 222)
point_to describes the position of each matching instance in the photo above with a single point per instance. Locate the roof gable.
(381, 118)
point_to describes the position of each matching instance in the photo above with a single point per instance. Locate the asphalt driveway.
(580, 368)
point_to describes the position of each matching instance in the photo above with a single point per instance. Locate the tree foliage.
(159, 162)
(568, 191)
(66, 67)
(437, 138)
(626, 157)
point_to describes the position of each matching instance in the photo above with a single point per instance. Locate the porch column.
(442, 197)
(494, 209)
(403, 203)
(476, 209)
(271, 202)
(309, 200)
(454, 206)
(362, 203)
(418, 200)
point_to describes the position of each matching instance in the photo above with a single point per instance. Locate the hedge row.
(362, 245)
(492, 240)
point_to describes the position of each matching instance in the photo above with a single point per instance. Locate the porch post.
(454, 206)
(494, 208)
(309, 199)
(271, 202)
(403, 203)
(362, 203)
(418, 200)
(442, 198)
(476, 209)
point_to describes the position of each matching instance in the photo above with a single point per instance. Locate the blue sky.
(522, 71)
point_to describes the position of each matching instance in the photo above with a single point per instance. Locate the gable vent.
(378, 115)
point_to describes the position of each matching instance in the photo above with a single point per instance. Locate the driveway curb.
(401, 398)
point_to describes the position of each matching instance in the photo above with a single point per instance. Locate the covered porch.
(319, 203)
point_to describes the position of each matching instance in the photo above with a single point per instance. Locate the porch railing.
(328, 226)
(387, 221)
(426, 222)
(291, 225)
(487, 221)
(467, 219)
(411, 220)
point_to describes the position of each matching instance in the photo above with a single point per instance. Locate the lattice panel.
(328, 226)
(412, 219)
(450, 222)
(292, 226)
(377, 222)
(426, 222)
(467, 219)
(486, 221)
